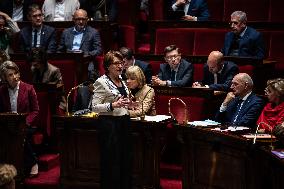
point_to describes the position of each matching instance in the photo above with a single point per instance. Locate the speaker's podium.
(12, 137)
(80, 154)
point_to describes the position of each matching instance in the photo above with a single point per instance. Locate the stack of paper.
(205, 123)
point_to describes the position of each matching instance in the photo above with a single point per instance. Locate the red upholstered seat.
(156, 10)
(198, 72)
(68, 71)
(183, 38)
(257, 10)
(144, 48)
(276, 11)
(249, 69)
(207, 40)
(155, 66)
(25, 69)
(276, 50)
(127, 36)
(196, 107)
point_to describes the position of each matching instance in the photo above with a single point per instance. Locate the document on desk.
(231, 128)
(258, 136)
(278, 153)
(206, 123)
(156, 118)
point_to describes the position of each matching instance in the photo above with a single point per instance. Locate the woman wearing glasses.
(273, 112)
(111, 100)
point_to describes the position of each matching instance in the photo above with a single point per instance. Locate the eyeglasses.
(37, 15)
(173, 57)
(80, 19)
(234, 22)
(117, 63)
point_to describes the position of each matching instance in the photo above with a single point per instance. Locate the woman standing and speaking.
(111, 100)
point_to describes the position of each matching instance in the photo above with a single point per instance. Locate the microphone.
(256, 132)
(185, 110)
(85, 83)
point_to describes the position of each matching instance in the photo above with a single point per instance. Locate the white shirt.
(17, 13)
(185, 8)
(38, 37)
(13, 94)
(59, 12)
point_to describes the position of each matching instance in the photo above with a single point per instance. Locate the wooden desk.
(213, 159)
(79, 151)
(216, 160)
(12, 134)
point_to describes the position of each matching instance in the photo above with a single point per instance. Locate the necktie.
(240, 104)
(35, 38)
(173, 75)
(215, 78)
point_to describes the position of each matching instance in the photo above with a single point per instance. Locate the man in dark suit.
(217, 74)
(241, 107)
(243, 40)
(37, 34)
(82, 38)
(176, 72)
(13, 9)
(129, 60)
(194, 10)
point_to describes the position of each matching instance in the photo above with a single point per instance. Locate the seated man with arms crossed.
(176, 72)
(217, 74)
(241, 107)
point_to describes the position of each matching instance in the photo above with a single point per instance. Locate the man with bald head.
(217, 74)
(82, 38)
(241, 107)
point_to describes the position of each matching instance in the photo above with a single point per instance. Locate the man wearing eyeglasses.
(37, 35)
(243, 40)
(176, 71)
(82, 38)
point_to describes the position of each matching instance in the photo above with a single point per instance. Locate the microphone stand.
(68, 95)
(185, 110)
(106, 14)
(256, 132)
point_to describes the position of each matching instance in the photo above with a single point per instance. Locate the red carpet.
(170, 183)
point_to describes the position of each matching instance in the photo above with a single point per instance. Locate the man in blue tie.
(176, 71)
(241, 107)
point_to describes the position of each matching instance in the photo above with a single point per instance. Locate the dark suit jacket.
(90, 45)
(224, 78)
(184, 76)
(82, 99)
(248, 114)
(197, 8)
(26, 102)
(7, 7)
(146, 68)
(251, 44)
(51, 75)
(47, 38)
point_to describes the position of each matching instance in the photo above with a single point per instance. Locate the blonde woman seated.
(143, 94)
(273, 112)
(7, 174)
